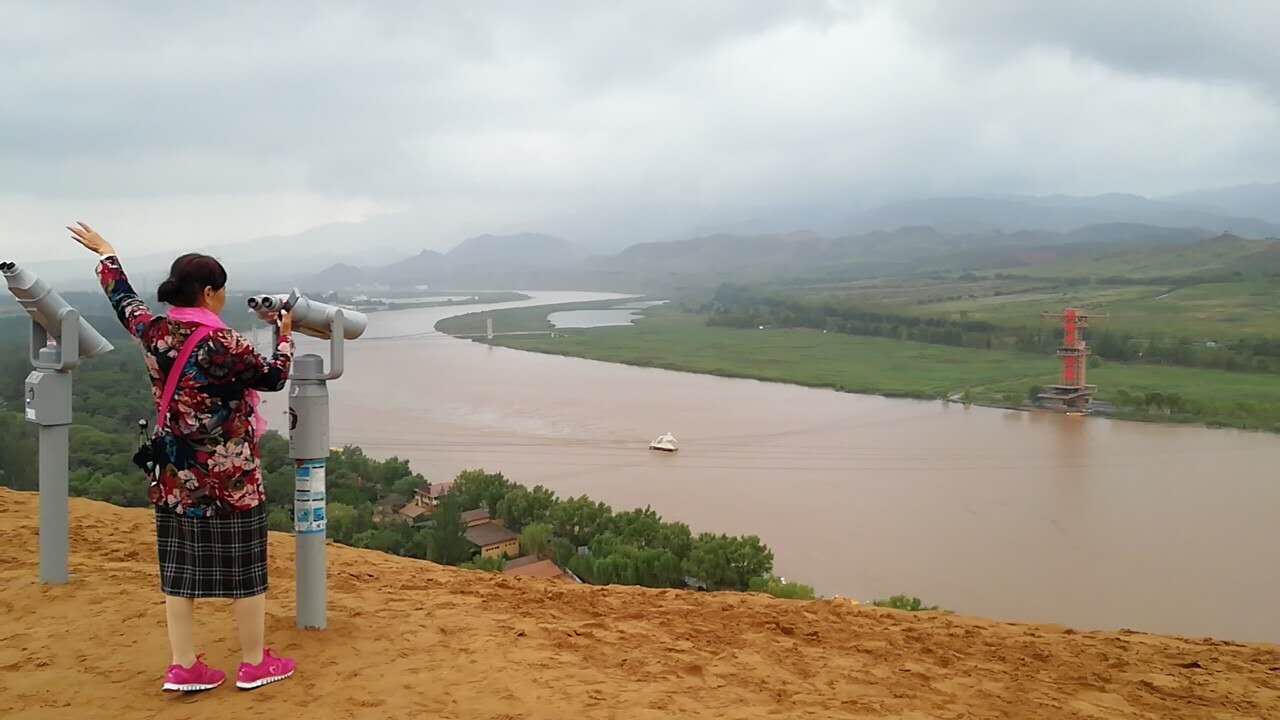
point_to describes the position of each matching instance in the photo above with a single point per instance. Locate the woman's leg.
(179, 613)
(251, 616)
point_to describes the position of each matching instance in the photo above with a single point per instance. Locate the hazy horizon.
(169, 127)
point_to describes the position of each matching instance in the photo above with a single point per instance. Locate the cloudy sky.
(170, 123)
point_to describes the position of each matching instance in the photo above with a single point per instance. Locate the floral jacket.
(209, 452)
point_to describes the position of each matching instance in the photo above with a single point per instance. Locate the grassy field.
(1212, 255)
(1209, 311)
(1217, 310)
(668, 338)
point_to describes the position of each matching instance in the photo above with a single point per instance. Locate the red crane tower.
(1073, 393)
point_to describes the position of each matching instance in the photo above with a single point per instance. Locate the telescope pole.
(48, 404)
(54, 523)
(309, 448)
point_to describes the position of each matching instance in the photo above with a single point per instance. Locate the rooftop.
(413, 512)
(540, 569)
(474, 516)
(489, 534)
(438, 490)
(521, 562)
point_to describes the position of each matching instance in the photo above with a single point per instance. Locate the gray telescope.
(311, 317)
(48, 403)
(49, 313)
(309, 438)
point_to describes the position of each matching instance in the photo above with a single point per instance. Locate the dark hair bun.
(189, 276)
(168, 291)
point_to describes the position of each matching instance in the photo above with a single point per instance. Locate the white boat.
(665, 443)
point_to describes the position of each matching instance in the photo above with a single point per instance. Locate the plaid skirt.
(224, 556)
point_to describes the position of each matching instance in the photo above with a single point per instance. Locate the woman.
(211, 518)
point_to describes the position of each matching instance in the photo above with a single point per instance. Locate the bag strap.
(175, 373)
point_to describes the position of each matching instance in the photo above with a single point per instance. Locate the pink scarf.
(204, 316)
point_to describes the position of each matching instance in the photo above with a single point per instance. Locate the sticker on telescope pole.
(309, 514)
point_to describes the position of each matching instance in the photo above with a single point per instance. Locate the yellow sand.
(413, 639)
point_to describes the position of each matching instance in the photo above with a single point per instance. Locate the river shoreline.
(528, 330)
(1027, 516)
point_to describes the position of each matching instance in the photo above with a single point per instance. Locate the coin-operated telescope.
(48, 401)
(51, 317)
(309, 436)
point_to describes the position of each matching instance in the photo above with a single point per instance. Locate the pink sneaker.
(271, 669)
(193, 679)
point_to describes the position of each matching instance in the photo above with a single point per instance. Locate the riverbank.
(671, 339)
(499, 646)
(451, 300)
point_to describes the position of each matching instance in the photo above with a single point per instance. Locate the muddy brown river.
(1021, 516)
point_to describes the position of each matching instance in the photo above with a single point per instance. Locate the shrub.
(904, 602)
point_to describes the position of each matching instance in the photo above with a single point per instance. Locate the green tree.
(725, 562)
(677, 538)
(479, 489)
(18, 468)
(582, 566)
(579, 519)
(617, 569)
(535, 540)
(419, 544)
(562, 551)
(658, 567)
(488, 564)
(904, 602)
(780, 588)
(638, 528)
(522, 506)
(280, 520)
(392, 539)
(708, 561)
(446, 542)
(405, 486)
(341, 524)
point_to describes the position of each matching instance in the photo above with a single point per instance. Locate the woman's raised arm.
(130, 309)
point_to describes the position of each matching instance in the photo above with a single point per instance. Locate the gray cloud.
(488, 116)
(1233, 42)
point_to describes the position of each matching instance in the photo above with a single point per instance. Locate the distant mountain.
(1058, 213)
(474, 262)
(1260, 200)
(904, 250)
(338, 276)
(1134, 232)
(522, 251)
(424, 268)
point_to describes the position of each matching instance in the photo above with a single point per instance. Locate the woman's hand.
(285, 319)
(90, 238)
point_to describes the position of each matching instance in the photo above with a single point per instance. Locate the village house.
(430, 495)
(425, 500)
(531, 566)
(472, 518)
(414, 513)
(493, 540)
(387, 508)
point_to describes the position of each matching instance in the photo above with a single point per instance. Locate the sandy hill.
(412, 639)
